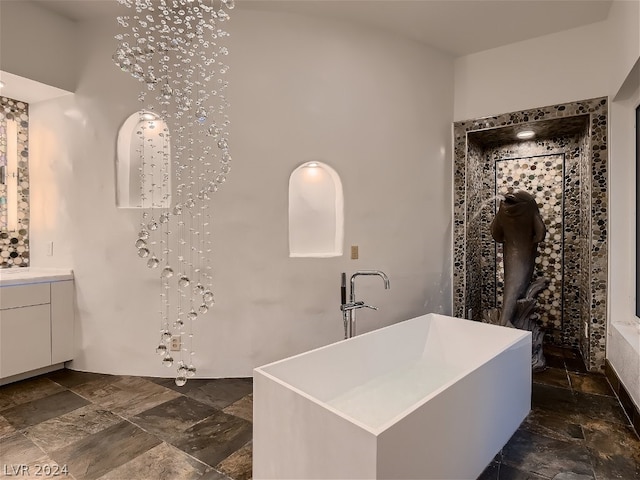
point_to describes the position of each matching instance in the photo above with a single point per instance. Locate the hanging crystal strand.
(165, 223)
(167, 272)
(199, 119)
(189, 217)
(165, 275)
(180, 314)
(180, 104)
(202, 281)
(143, 162)
(166, 329)
(164, 97)
(181, 372)
(206, 239)
(179, 213)
(175, 49)
(157, 220)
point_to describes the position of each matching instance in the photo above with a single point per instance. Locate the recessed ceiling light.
(312, 165)
(1, 84)
(526, 134)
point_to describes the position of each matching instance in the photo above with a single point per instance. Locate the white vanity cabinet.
(36, 324)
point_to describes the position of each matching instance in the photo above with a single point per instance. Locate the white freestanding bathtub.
(434, 397)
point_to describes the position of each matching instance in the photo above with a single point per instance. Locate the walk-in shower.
(565, 166)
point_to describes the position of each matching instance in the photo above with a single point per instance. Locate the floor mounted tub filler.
(433, 397)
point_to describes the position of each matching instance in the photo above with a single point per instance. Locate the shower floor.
(120, 427)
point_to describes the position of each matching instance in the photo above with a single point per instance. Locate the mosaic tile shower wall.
(565, 167)
(476, 234)
(542, 177)
(549, 169)
(14, 245)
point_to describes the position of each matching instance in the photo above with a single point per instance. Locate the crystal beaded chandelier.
(175, 48)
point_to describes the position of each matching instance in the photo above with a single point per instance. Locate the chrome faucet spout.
(378, 273)
(349, 309)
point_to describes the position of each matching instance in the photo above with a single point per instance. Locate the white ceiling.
(458, 27)
(27, 90)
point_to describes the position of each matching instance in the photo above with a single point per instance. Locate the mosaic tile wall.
(542, 177)
(548, 169)
(14, 245)
(476, 234)
(584, 250)
(582, 256)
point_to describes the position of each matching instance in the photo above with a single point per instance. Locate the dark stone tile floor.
(86, 426)
(109, 427)
(577, 429)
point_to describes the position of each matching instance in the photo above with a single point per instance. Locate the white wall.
(623, 336)
(623, 23)
(375, 107)
(38, 45)
(558, 68)
(591, 61)
(623, 342)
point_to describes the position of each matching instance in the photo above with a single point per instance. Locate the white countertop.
(29, 275)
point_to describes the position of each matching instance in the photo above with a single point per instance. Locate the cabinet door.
(62, 321)
(25, 339)
(24, 295)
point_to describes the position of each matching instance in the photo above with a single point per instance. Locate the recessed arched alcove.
(143, 178)
(316, 211)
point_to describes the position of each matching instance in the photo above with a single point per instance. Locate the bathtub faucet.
(349, 309)
(367, 272)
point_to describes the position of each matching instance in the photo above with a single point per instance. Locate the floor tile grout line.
(582, 442)
(47, 454)
(75, 389)
(31, 400)
(624, 410)
(206, 465)
(168, 443)
(576, 391)
(591, 456)
(568, 377)
(91, 402)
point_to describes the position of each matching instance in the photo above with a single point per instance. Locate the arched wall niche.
(316, 211)
(148, 184)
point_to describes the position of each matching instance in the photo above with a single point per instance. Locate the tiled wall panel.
(542, 177)
(574, 206)
(14, 245)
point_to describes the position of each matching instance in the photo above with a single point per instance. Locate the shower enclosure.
(565, 167)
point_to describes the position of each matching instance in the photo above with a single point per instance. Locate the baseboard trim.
(624, 398)
(32, 373)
